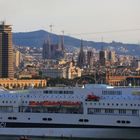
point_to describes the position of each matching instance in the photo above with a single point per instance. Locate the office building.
(6, 51)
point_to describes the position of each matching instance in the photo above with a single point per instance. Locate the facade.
(53, 51)
(55, 72)
(73, 72)
(6, 51)
(17, 58)
(111, 56)
(136, 64)
(14, 83)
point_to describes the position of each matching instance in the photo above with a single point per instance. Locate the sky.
(95, 20)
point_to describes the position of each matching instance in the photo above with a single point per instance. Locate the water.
(36, 138)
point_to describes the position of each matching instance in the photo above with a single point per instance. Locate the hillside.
(36, 38)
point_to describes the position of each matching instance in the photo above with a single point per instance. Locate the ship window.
(123, 121)
(122, 111)
(127, 121)
(60, 92)
(86, 120)
(50, 91)
(14, 118)
(109, 111)
(44, 119)
(134, 112)
(118, 121)
(10, 118)
(80, 120)
(2, 101)
(49, 119)
(28, 118)
(45, 91)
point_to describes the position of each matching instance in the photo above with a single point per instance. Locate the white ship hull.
(95, 113)
(105, 133)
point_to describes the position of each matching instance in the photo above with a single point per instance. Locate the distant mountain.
(36, 39)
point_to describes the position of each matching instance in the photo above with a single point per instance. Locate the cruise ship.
(92, 111)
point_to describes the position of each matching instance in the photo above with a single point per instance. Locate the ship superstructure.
(93, 111)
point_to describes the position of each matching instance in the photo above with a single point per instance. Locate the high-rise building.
(102, 57)
(81, 57)
(6, 51)
(111, 56)
(90, 58)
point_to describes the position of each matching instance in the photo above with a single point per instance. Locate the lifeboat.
(33, 103)
(92, 98)
(51, 104)
(70, 104)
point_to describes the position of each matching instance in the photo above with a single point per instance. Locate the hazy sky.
(76, 17)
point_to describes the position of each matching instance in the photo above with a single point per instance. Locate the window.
(135, 112)
(49, 119)
(86, 120)
(80, 120)
(122, 111)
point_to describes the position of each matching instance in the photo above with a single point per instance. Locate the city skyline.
(89, 19)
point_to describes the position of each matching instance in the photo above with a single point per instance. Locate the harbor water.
(41, 138)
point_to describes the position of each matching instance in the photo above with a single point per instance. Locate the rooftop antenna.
(51, 26)
(62, 40)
